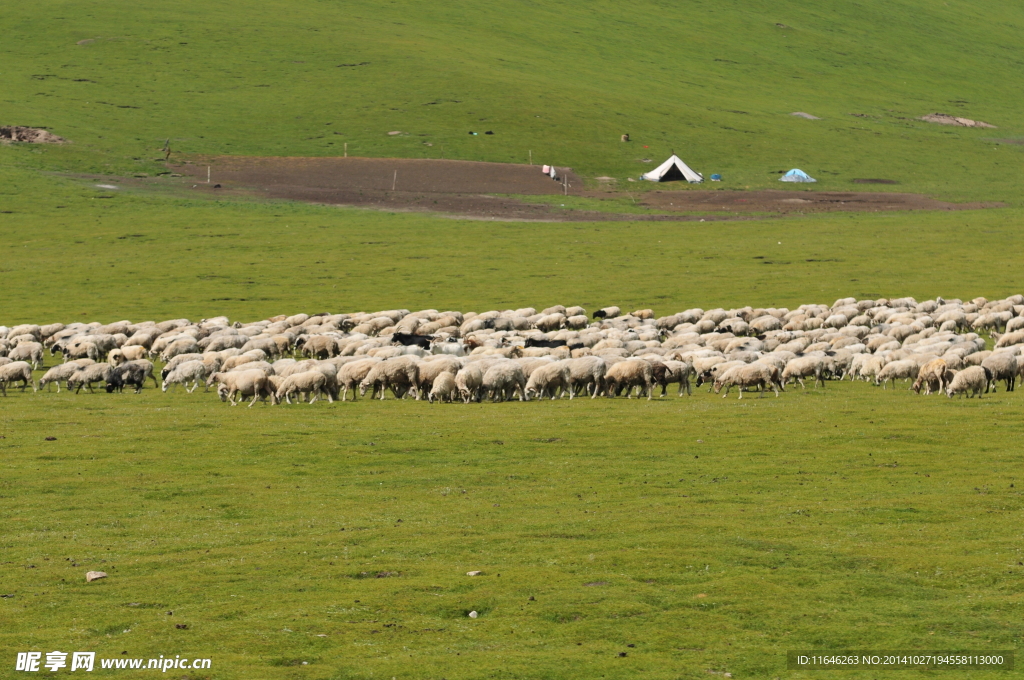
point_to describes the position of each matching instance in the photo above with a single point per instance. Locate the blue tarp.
(797, 175)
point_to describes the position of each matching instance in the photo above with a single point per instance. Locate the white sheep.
(401, 374)
(16, 371)
(123, 354)
(1002, 366)
(745, 377)
(187, 345)
(550, 378)
(62, 372)
(469, 381)
(503, 380)
(435, 366)
(87, 375)
(932, 376)
(586, 372)
(444, 388)
(627, 375)
(353, 373)
(310, 384)
(30, 351)
(906, 369)
(452, 347)
(970, 381)
(803, 367)
(242, 384)
(188, 371)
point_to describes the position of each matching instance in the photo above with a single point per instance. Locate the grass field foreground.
(693, 534)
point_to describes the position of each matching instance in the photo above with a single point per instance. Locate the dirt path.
(479, 190)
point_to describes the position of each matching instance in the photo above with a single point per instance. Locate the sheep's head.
(363, 386)
(222, 392)
(717, 386)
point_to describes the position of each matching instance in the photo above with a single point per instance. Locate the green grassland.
(73, 251)
(711, 535)
(713, 81)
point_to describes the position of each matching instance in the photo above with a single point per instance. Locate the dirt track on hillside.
(480, 190)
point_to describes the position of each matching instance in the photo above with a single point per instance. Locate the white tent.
(673, 168)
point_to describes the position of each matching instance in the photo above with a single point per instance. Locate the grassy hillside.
(714, 81)
(73, 251)
(678, 538)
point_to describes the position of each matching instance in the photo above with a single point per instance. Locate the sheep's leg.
(255, 396)
(313, 396)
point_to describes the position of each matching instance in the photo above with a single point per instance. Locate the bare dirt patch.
(946, 119)
(21, 133)
(780, 201)
(482, 190)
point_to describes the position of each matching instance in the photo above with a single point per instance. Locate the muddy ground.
(480, 190)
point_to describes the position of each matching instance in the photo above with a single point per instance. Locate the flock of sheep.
(525, 354)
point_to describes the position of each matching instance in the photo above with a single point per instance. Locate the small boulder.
(91, 576)
(474, 573)
(473, 615)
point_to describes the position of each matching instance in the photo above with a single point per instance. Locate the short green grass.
(73, 251)
(713, 81)
(694, 534)
(711, 535)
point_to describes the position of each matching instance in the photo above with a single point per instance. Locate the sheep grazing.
(551, 378)
(1002, 366)
(627, 375)
(607, 313)
(804, 367)
(666, 372)
(586, 373)
(452, 347)
(970, 381)
(241, 385)
(748, 376)
(87, 375)
(62, 372)
(310, 385)
(430, 370)
(469, 381)
(504, 380)
(906, 369)
(132, 373)
(124, 354)
(188, 371)
(181, 346)
(933, 376)
(14, 372)
(401, 374)
(320, 347)
(178, 361)
(32, 352)
(443, 389)
(352, 374)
